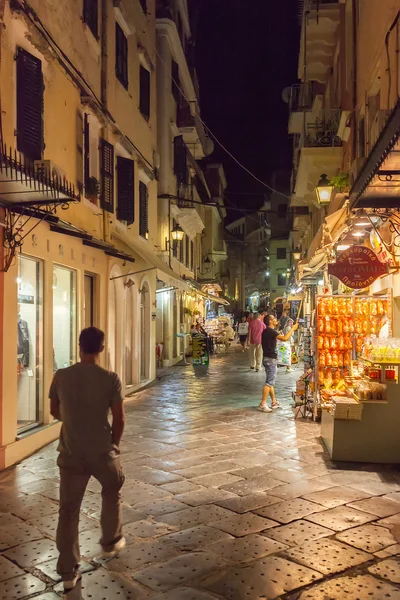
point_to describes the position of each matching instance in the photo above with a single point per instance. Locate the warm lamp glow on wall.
(177, 233)
(324, 190)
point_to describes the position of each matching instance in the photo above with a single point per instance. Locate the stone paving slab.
(381, 507)
(241, 525)
(179, 570)
(361, 587)
(195, 538)
(370, 538)
(341, 518)
(336, 496)
(266, 578)
(32, 553)
(246, 549)
(139, 555)
(184, 593)
(244, 504)
(328, 556)
(387, 569)
(8, 570)
(298, 532)
(20, 587)
(291, 510)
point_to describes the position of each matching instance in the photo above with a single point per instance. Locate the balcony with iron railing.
(184, 116)
(322, 130)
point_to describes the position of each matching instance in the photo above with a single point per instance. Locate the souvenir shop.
(350, 345)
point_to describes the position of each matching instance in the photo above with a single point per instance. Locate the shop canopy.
(377, 184)
(164, 272)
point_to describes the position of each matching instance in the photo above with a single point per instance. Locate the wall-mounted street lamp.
(297, 254)
(324, 190)
(177, 233)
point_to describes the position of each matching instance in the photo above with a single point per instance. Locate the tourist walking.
(229, 335)
(256, 327)
(269, 338)
(243, 331)
(82, 397)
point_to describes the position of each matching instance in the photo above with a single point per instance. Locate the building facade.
(344, 117)
(79, 200)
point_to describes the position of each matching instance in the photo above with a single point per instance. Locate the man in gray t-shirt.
(82, 397)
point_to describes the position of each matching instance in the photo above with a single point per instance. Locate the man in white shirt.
(243, 331)
(229, 335)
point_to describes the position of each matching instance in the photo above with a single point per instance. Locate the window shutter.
(187, 251)
(143, 210)
(86, 151)
(121, 56)
(192, 255)
(144, 101)
(175, 81)
(91, 16)
(107, 176)
(180, 160)
(30, 91)
(125, 189)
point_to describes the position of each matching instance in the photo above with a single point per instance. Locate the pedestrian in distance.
(243, 331)
(81, 397)
(229, 335)
(256, 327)
(269, 338)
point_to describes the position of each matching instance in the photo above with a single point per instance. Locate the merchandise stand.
(360, 406)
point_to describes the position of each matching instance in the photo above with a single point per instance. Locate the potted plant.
(92, 189)
(341, 182)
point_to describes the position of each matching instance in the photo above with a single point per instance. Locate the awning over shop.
(88, 240)
(164, 272)
(376, 185)
(213, 298)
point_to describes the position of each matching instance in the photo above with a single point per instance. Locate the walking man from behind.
(270, 362)
(82, 397)
(256, 327)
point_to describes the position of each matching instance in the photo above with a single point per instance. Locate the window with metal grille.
(187, 257)
(121, 56)
(30, 93)
(180, 160)
(107, 176)
(86, 152)
(91, 16)
(125, 189)
(281, 253)
(174, 243)
(281, 279)
(144, 100)
(191, 255)
(175, 81)
(143, 210)
(143, 4)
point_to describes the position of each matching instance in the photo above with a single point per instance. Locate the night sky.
(246, 54)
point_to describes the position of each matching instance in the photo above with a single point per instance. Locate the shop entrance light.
(177, 233)
(324, 190)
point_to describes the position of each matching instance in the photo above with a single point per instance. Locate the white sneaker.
(69, 584)
(264, 408)
(275, 405)
(118, 546)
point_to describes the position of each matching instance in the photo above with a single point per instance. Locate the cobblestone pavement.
(220, 501)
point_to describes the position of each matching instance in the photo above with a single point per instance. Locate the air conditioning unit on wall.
(49, 170)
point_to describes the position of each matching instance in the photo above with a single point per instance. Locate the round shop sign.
(358, 267)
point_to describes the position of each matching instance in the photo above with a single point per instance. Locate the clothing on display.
(23, 343)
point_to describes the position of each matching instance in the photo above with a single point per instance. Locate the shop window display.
(30, 342)
(64, 317)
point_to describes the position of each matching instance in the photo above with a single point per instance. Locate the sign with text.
(357, 267)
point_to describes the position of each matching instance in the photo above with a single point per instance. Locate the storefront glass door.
(30, 343)
(64, 317)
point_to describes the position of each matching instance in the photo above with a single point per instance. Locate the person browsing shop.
(269, 338)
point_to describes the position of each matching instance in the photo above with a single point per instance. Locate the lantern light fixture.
(324, 190)
(297, 254)
(177, 233)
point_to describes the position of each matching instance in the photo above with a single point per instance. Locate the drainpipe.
(355, 129)
(103, 96)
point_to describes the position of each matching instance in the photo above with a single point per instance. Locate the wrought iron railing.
(16, 168)
(322, 132)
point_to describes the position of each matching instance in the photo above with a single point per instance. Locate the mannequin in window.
(23, 343)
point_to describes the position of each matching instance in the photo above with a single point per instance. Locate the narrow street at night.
(220, 501)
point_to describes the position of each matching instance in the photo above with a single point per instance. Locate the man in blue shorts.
(268, 341)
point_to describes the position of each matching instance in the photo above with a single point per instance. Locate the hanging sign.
(357, 267)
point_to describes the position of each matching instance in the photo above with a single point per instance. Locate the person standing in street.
(269, 338)
(81, 397)
(243, 331)
(256, 327)
(229, 335)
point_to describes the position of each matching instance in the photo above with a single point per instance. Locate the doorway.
(144, 332)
